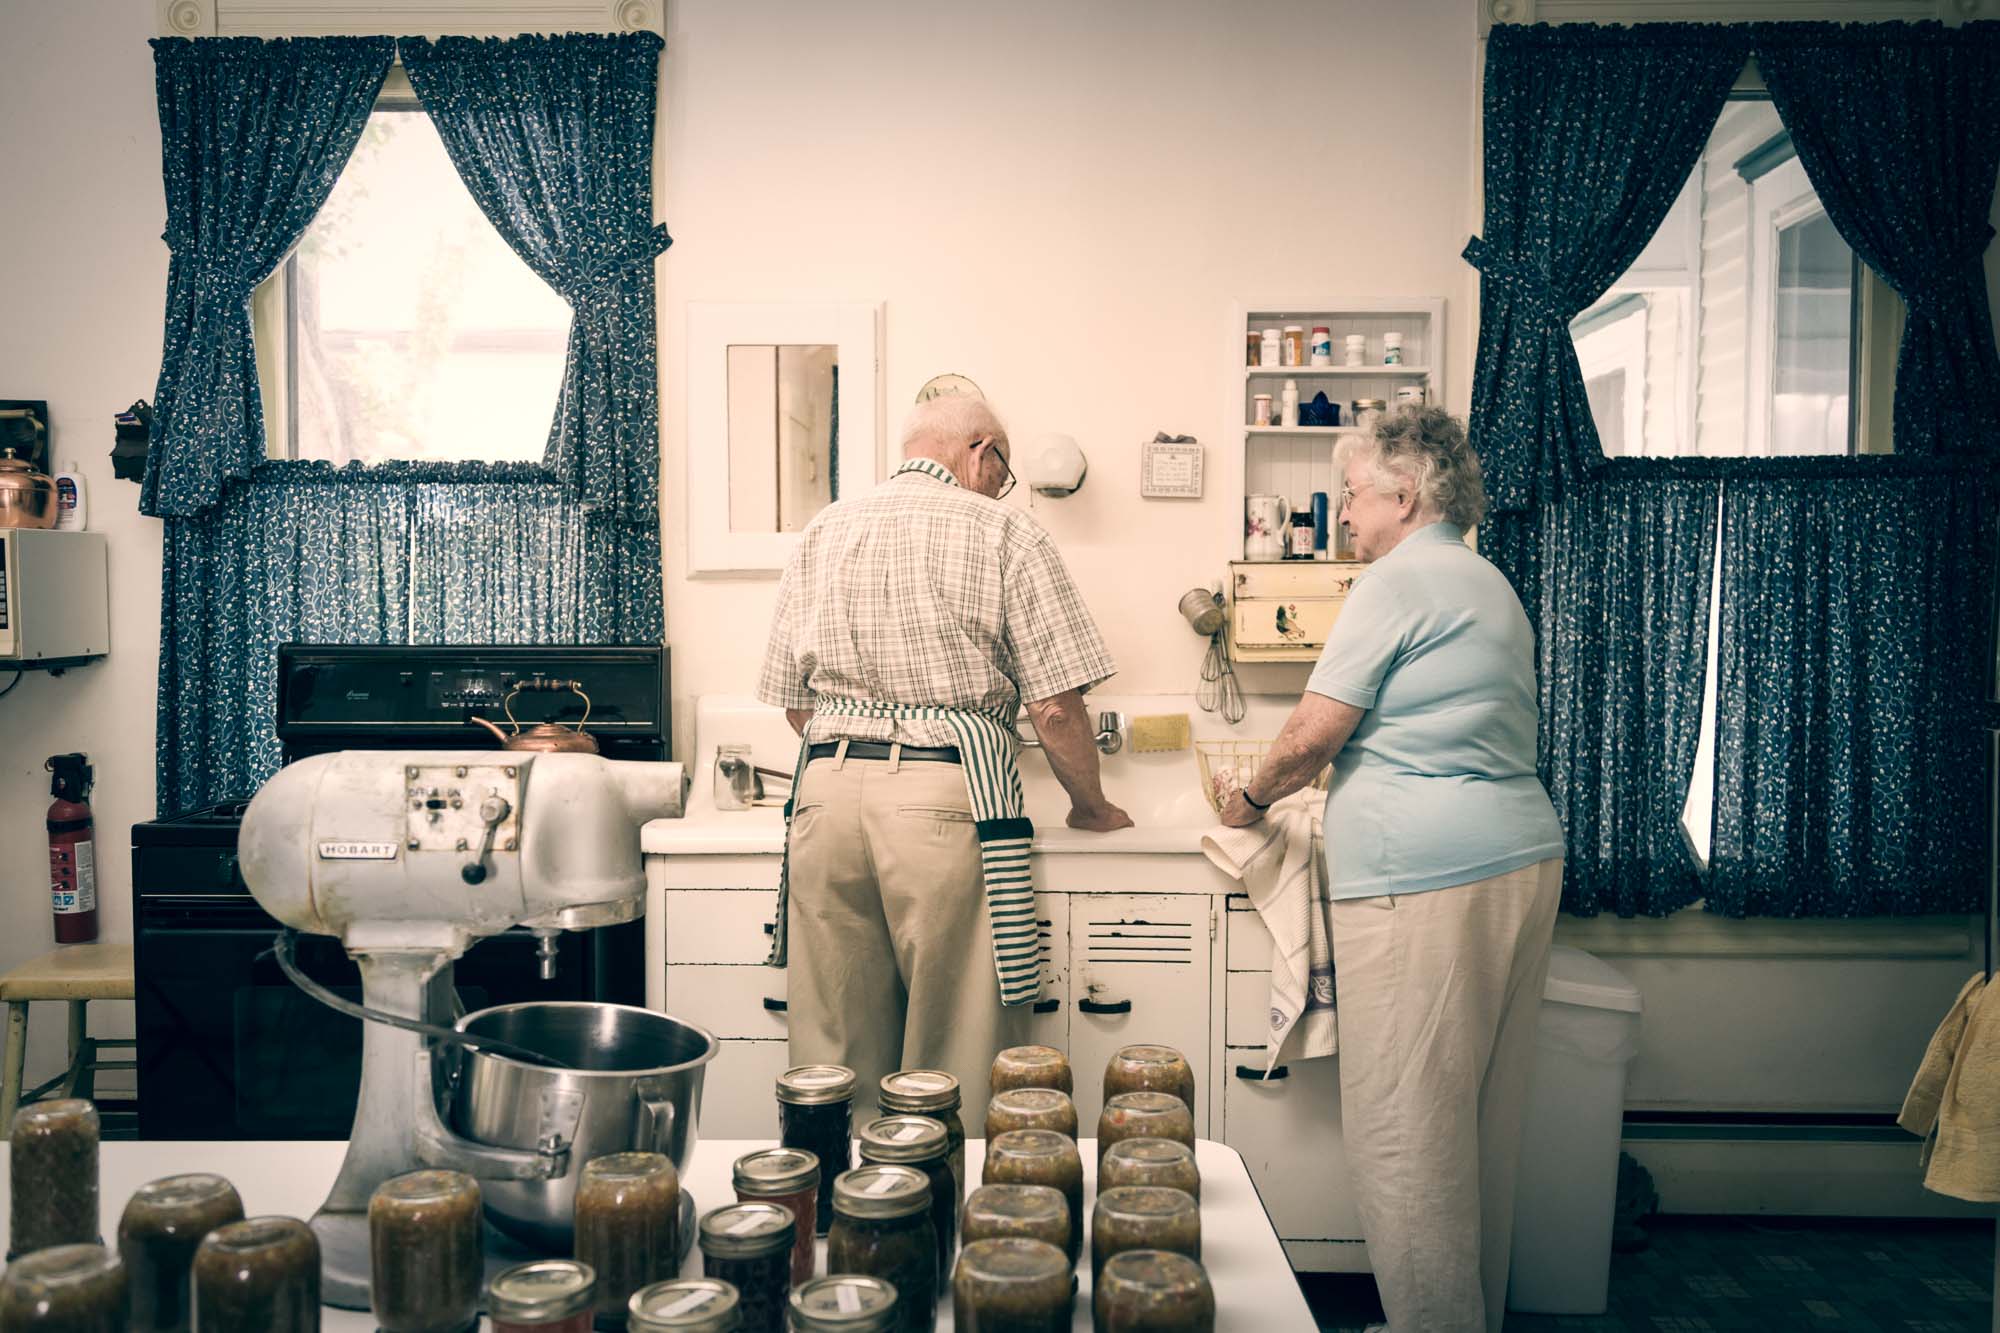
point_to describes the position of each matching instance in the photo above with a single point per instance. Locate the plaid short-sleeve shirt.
(925, 593)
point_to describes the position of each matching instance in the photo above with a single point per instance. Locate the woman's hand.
(1237, 812)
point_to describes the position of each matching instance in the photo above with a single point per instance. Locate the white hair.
(1421, 450)
(949, 421)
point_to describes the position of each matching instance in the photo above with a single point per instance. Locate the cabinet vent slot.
(1140, 940)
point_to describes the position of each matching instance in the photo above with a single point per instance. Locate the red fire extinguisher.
(72, 854)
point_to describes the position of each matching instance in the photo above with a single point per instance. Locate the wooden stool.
(77, 974)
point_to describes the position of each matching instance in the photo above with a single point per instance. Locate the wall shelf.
(1302, 430)
(1400, 372)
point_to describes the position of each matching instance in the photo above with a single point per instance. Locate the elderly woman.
(1444, 869)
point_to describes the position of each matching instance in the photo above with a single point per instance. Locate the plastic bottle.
(69, 499)
(1288, 401)
(72, 850)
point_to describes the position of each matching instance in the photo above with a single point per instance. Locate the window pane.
(1814, 319)
(417, 333)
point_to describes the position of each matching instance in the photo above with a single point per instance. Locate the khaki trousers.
(1437, 995)
(891, 954)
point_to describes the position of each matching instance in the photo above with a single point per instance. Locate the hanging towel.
(1279, 862)
(1954, 1102)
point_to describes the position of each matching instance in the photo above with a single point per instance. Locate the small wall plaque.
(1170, 469)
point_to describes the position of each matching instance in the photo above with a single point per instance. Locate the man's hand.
(1098, 819)
(1237, 812)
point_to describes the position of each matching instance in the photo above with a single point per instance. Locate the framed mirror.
(784, 418)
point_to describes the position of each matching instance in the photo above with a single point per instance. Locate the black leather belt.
(940, 754)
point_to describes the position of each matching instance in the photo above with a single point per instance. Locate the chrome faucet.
(1110, 732)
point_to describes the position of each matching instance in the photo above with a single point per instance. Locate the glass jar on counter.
(933, 1093)
(686, 1305)
(1143, 1217)
(1368, 412)
(426, 1256)
(1040, 1157)
(162, 1225)
(816, 1114)
(260, 1275)
(628, 1216)
(1032, 1067)
(1151, 1068)
(64, 1289)
(1148, 1161)
(1133, 1115)
(544, 1296)
(1153, 1291)
(882, 1228)
(749, 1246)
(1012, 1286)
(52, 1176)
(788, 1177)
(844, 1303)
(919, 1143)
(1016, 1212)
(1031, 1108)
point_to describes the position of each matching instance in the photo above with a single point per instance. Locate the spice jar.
(1153, 1291)
(544, 1296)
(846, 1303)
(919, 1143)
(1143, 1217)
(749, 1246)
(816, 1114)
(932, 1093)
(1132, 1115)
(426, 1259)
(1040, 1157)
(1012, 1286)
(1025, 1212)
(687, 1305)
(163, 1223)
(53, 1176)
(882, 1228)
(1147, 1161)
(628, 1212)
(788, 1177)
(260, 1275)
(1150, 1068)
(1031, 1108)
(1032, 1067)
(64, 1289)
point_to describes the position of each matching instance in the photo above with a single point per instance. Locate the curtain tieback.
(598, 277)
(1942, 281)
(1523, 282)
(217, 282)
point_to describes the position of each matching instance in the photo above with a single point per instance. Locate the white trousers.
(1437, 995)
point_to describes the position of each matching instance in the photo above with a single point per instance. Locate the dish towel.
(1954, 1102)
(1278, 860)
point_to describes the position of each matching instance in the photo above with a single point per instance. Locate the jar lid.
(1145, 1103)
(1014, 1259)
(1034, 1143)
(688, 1304)
(1146, 1201)
(1362, 404)
(1319, 328)
(1156, 1271)
(814, 1085)
(542, 1291)
(902, 1138)
(878, 1192)
(776, 1171)
(1149, 1151)
(920, 1090)
(747, 1230)
(847, 1303)
(1295, 328)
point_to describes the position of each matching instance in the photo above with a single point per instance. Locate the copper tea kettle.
(544, 736)
(27, 497)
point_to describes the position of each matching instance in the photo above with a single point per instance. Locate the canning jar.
(1012, 1286)
(1153, 1291)
(919, 1143)
(1155, 1115)
(816, 1113)
(260, 1275)
(1151, 1068)
(1020, 1212)
(934, 1093)
(686, 1305)
(1031, 1108)
(1040, 1157)
(1148, 1161)
(844, 1303)
(1143, 1217)
(163, 1222)
(788, 1177)
(749, 1246)
(52, 1173)
(882, 1228)
(543, 1296)
(1031, 1067)
(426, 1258)
(64, 1289)
(628, 1213)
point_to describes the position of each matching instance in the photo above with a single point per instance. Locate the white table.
(1254, 1287)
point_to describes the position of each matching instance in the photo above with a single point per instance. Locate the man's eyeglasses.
(1007, 485)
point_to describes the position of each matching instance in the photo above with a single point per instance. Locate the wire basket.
(1240, 758)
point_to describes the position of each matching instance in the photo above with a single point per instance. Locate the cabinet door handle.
(1047, 1006)
(1251, 1075)
(775, 1006)
(1115, 1007)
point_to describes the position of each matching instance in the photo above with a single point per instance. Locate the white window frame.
(1621, 345)
(1782, 197)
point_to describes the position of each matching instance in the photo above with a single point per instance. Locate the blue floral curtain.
(253, 135)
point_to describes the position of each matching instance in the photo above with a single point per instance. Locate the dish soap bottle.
(69, 499)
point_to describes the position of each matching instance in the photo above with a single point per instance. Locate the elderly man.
(911, 624)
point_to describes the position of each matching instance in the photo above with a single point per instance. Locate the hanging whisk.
(1219, 692)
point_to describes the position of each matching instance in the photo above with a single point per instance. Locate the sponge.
(1160, 733)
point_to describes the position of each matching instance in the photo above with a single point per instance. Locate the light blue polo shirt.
(1437, 785)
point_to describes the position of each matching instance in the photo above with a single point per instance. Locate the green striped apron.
(986, 749)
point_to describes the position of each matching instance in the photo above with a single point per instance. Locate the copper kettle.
(27, 497)
(544, 736)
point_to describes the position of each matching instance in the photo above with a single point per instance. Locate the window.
(402, 326)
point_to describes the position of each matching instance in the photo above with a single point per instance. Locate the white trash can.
(1568, 1180)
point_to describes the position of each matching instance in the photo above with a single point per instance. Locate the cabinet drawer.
(1303, 622)
(738, 1093)
(1246, 1009)
(1295, 578)
(729, 1001)
(1288, 1131)
(1249, 941)
(719, 925)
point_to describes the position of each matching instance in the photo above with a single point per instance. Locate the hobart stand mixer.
(408, 857)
